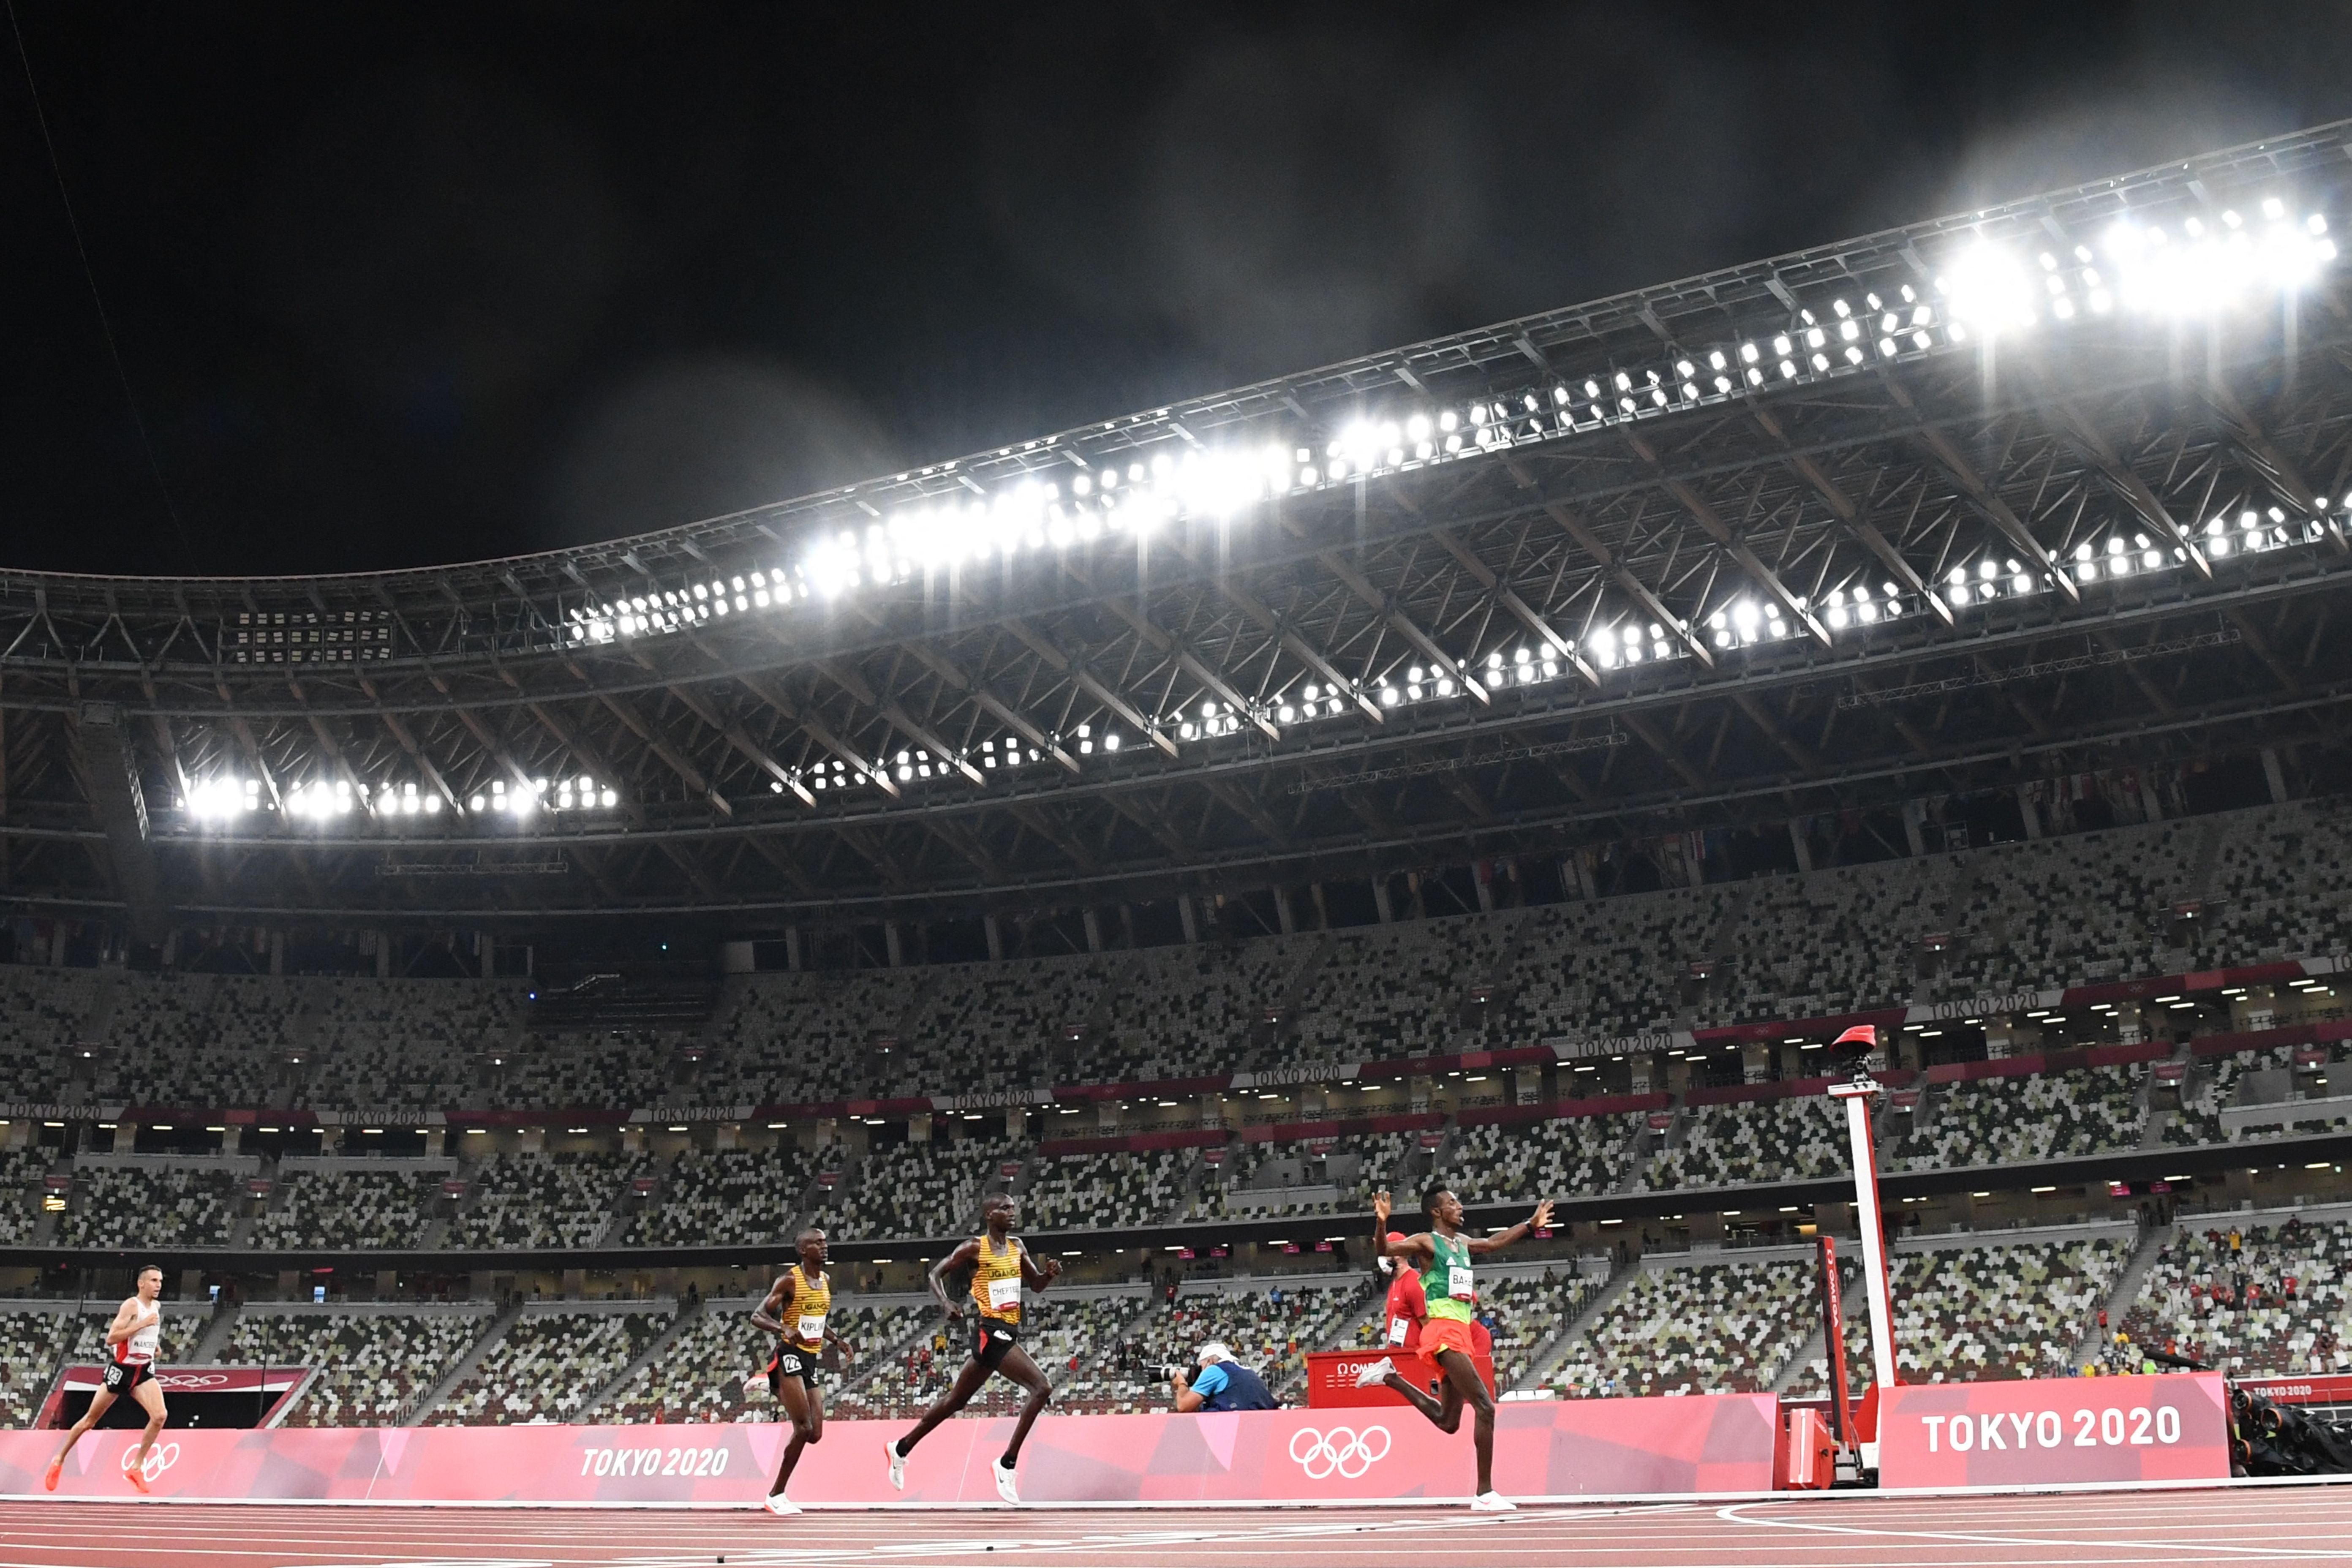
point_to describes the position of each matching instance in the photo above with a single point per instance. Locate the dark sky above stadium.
(397, 284)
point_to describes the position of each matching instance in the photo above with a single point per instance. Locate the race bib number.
(812, 1330)
(1002, 1293)
(1457, 1283)
(1398, 1329)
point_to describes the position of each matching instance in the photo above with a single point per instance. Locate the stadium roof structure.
(2046, 485)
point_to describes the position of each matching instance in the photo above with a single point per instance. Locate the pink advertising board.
(1542, 1449)
(2046, 1431)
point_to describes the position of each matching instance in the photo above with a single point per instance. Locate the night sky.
(394, 285)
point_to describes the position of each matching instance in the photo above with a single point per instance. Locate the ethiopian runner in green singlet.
(1443, 1254)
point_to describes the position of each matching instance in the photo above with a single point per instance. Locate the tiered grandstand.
(1703, 1327)
(547, 1366)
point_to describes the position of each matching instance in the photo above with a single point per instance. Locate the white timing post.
(1855, 1044)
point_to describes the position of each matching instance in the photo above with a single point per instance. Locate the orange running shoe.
(137, 1476)
(57, 1469)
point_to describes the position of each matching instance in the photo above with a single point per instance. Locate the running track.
(2246, 1525)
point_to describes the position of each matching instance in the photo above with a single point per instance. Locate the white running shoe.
(782, 1506)
(1492, 1502)
(1004, 1488)
(898, 1464)
(1376, 1373)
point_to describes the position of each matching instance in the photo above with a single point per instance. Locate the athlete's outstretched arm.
(1416, 1248)
(768, 1316)
(1032, 1275)
(963, 1256)
(1540, 1220)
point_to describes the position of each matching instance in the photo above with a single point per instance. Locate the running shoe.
(1492, 1502)
(1375, 1373)
(137, 1476)
(898, 1464)
(1004, 1488)
(57, 1470)
(782, 1506)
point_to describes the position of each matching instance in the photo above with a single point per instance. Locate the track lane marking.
(1735, 1514)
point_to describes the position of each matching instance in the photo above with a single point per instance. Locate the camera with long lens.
(2267, 1438)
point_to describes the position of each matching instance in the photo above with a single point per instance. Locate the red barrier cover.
(1331, 1377)
(2172, 1426)
(1715, 1442)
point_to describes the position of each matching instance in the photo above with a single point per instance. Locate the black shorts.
(122, 1376)
(792, 1363)
(990, 1338)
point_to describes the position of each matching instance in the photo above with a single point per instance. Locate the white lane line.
(1735, 1513)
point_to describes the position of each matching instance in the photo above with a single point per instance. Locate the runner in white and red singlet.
(132, 1341)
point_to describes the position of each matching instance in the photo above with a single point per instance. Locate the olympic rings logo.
(1344, 1452)
(160, 1457)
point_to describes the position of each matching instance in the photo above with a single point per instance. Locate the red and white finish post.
(1857, 1094)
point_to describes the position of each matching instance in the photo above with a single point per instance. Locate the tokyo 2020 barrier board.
(2055, 1431)
(1701, 1444)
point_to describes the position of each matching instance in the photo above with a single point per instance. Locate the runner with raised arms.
(1443, 1254)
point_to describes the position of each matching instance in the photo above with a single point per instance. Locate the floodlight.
(1988, 290)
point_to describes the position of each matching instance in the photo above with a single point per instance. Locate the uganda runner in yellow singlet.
(798, 1310)
(1001, 1270)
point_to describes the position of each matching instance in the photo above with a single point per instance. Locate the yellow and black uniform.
(803, 1321)
(996, 1290)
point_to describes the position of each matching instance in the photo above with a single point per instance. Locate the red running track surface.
(2264, 1525)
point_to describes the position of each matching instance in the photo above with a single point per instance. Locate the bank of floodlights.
(1971, 296)
(521, 800)
(223, 798)
(226, 798)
